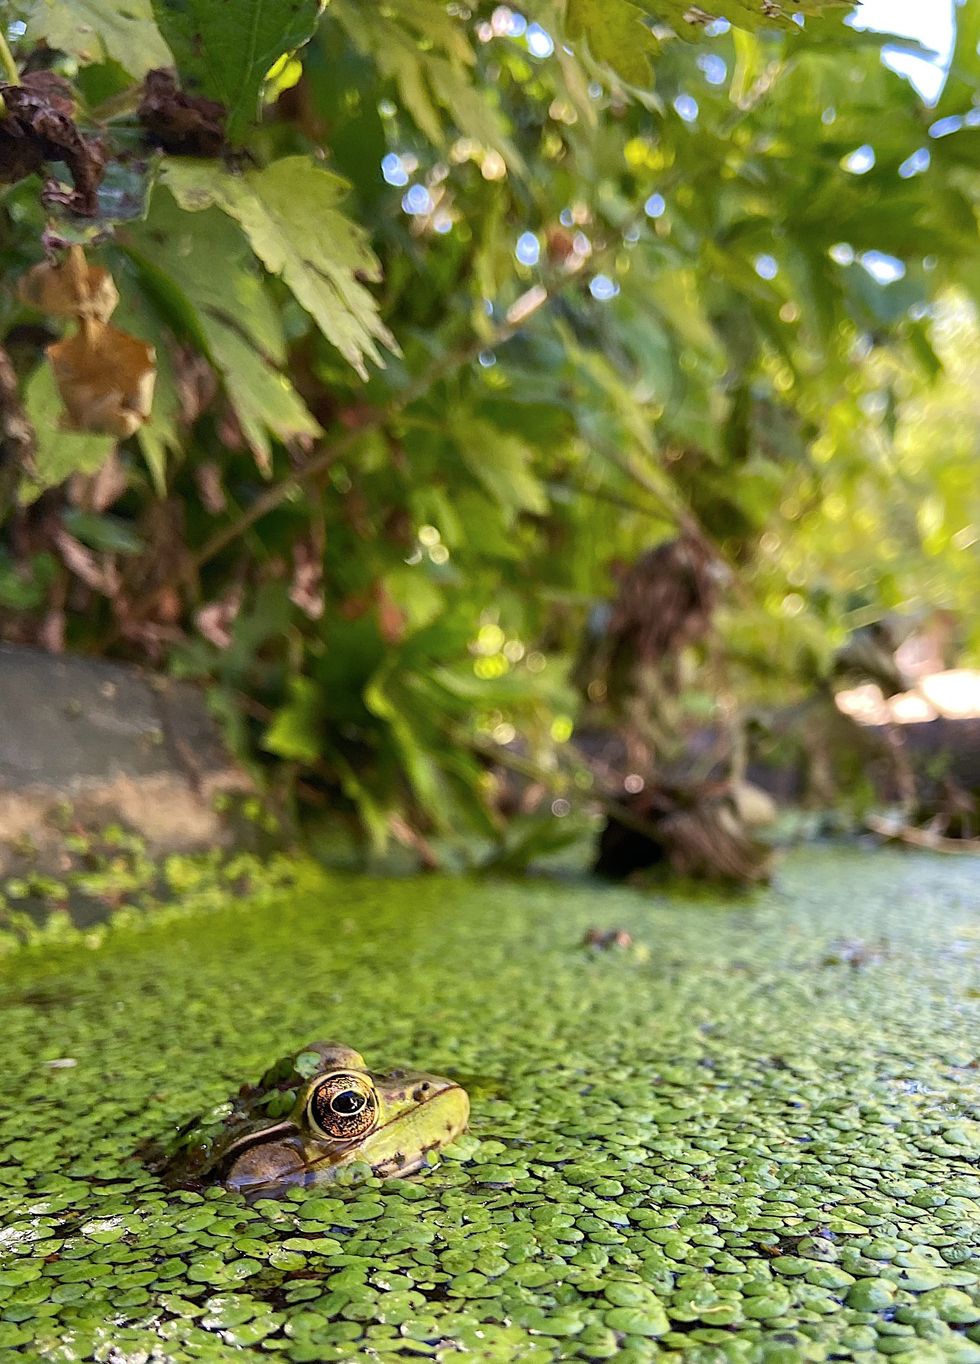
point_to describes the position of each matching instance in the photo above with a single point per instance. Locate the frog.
(314, 1116)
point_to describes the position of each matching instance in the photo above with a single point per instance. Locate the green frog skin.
(312, 1115)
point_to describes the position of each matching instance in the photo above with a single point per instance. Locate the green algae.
(740, 1144)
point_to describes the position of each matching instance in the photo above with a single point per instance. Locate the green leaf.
(531, 837)
(230, 315)
(60, 453)
(295, 731)
(414, 594)
(288, 211)
(96, 31)
(416, 757)
(615, 36)
(24, 585)
(501, 462)
(108, 534)
(963, 81)
(371, 811)
(226, 49)
(426, 54)
(690, 20)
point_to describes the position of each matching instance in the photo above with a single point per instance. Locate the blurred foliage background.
(457, 310)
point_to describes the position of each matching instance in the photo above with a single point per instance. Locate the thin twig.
(895, 831)
(18, 439)
(7, 62)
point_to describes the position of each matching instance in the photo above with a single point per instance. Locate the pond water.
(751, 1135)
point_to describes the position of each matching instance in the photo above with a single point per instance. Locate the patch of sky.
(655, 206)
(393, 170)
(528, 249)
(417, 200)
(915, 164)
(514, 24)
(715, 68)
(859, 161)
(687, 107)
(881, 267)
(929, 23)
(539, 41)
(766, 266)
(603, 288)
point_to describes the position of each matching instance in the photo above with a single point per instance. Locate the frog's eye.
(343, 1106)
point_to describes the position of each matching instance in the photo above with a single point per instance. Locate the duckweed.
(732, 1147)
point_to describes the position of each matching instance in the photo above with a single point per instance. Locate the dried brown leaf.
(215, 620)
(105, 378)
(186, 125)
(306, 589)
(207, 476)
(96, 571)
(70, 288)
(38, 127)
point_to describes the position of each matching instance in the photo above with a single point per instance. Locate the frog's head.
(335, 1113)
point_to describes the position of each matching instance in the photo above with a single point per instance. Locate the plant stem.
(18, 439)
(7, 63)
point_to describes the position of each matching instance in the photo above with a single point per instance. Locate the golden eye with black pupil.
(343, 1106)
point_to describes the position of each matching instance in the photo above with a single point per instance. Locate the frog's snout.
(447, 1106)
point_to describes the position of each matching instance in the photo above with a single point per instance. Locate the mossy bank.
(746, 1137)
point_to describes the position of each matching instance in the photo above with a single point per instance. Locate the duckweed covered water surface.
(749, 1137)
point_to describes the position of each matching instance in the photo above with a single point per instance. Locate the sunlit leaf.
(100, 30)
(229, 312)
(615, 35)
(288, 210)
(295, 731)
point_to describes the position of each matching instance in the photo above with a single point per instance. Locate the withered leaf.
(215, 621)
(186, 125)
(37, 127)
(70, 288)
(306, 589)
(105, 378)
(97, 571)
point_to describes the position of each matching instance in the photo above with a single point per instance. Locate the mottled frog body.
(312, 1115)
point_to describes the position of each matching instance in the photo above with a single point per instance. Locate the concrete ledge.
(112, 743)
